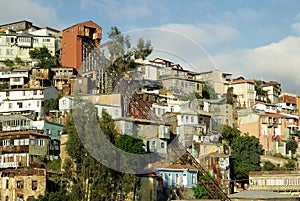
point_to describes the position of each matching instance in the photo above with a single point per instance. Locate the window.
(34, 92)
(6, 142)
(38, 103)
(16, 142)
(162, 145)
(9, 51)
(193, 179)
(46, 40)
(20, 104)
(10, 105)
(48, 131)
(264, 120)
(20, 184)
(7, 183)
(192, 119)
(58, 132)
(34, 185)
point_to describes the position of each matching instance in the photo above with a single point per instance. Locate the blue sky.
(256, 39)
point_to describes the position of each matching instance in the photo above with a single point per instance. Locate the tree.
(268, 166)
(230, 95)
(199, 191)
(50, 104)
(245, 155)
(229, 133)
(8, 63)
(43, 56)
(208, 92)
(121, 54)
(18, 60)
(143, 49)
(291, 145)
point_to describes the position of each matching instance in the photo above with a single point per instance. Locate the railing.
(10, 165)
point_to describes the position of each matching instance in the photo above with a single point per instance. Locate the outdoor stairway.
(210, 185)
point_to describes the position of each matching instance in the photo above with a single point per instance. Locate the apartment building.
(26, 101)
(22, 148)
(245, 91)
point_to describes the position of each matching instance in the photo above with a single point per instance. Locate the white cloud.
(185, 43)
(278, 61)
(15, 10)
(296, 27)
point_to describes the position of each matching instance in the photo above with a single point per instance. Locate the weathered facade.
(22, 184)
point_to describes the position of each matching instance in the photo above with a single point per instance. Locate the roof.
(82, 23)
(260, 195)
(217, 154)
(277, 172)
(174, 167)
(22, 133)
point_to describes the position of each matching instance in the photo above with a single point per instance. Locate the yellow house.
(298, 105)
(245, 91)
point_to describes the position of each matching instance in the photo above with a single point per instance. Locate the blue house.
(54, 131)
(178, 176)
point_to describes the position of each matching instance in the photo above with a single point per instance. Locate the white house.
(27, 101)
(66, 103)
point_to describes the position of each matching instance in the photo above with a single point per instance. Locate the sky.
(249, 38)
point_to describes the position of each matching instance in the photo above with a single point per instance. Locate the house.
(40, 77)
(245, 91)
(175, 176)
(217, 79)
(54, 131)
(26, 101)
(18, 44)
(15, 122)
(113, 104)
(180, 82)
(149, 187)
(65, 104)
(273, 90)
(217, 164)
(22, 148)
(22, 184)
(271, 129)
(286, 182)
(61, 78)
(14, 77)
(154, 134)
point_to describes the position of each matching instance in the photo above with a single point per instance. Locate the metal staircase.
(211, 186)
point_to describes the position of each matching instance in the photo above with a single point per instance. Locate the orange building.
(75, 42)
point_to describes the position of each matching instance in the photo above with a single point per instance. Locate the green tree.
(199, 191)
(291, 145)
(245, 156)
(208, 92)
(229, 133)
(143, 49)
(230, 95)
(268, 166)
(50, 104)
(9, 63)
(43, 56)
(18, 60)
(121, 54)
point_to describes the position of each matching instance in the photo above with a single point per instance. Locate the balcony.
(10, 165)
